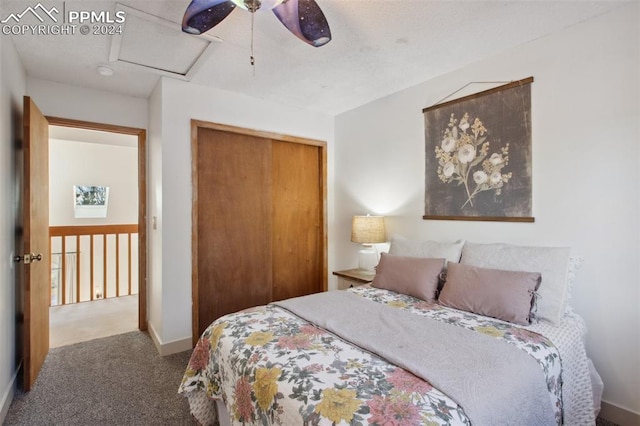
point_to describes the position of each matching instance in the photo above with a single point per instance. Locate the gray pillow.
(551, 262)
(414, 276)
(506, 295)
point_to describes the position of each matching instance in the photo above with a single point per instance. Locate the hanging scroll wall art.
(478, 156)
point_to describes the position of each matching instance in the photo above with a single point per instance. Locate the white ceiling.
(378, 47)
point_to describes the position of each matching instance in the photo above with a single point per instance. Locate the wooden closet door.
(297, 241)
(232, 212)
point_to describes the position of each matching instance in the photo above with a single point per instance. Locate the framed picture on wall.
(90, 201)
(478, 156)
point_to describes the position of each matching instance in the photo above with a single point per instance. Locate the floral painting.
(478, 156)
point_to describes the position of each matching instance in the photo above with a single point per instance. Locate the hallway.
(84, 321)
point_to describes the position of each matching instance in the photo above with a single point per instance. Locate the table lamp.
(368, 230)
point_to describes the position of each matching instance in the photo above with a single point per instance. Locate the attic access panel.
(157, 45)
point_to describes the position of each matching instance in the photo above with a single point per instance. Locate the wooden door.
(36, 277)
(232, 225)
(297, 194)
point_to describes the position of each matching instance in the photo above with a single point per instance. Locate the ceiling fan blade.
(202, 15)
(305, 20)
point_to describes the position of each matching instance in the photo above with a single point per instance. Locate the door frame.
(199, 124)
(142, 199)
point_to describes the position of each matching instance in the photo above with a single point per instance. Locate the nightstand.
(353, 277)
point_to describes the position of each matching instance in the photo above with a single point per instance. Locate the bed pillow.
(575, 263)
(550, 262)
(506, 295)
(401, 246)
(415, 276)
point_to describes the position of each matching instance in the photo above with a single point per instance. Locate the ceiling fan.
(303, 18)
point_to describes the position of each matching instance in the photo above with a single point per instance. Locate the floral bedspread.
(271, 367)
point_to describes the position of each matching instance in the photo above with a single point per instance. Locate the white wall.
(82, 163)
(12, 89)
(585, 174)
(80, 103)
(180, 103)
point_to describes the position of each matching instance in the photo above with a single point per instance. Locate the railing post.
(117, 265)
(78, 268)
(64, 270)
(104, 266)
(92, 286)
(129, 263)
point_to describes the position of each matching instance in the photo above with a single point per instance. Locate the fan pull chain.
(252, 59)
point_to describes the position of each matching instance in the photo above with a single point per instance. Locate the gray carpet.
(602, 422)
(118, 380)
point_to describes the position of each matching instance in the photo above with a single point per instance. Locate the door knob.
(28, 258)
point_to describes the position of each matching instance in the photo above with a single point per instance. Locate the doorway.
(99, 264)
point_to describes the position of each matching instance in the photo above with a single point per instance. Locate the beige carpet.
(84, 321)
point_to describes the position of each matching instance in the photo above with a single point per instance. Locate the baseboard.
(618, 415)
(169, 348)
(7, 397)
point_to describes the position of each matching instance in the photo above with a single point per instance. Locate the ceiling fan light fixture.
(303, 18)
(254, 5)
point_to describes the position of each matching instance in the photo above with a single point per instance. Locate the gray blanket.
(493, 381)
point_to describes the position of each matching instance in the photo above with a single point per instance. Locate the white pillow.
(551, 262)
(575, 263)
(401, 246)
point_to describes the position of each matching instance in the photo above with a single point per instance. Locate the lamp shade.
(368, 229)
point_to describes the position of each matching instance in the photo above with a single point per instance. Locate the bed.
(394, 353)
